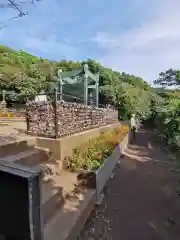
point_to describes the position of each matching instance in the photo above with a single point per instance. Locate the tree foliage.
(167, 113)
(127, 92)
(167, 121)
(23, 75)
(169, 78)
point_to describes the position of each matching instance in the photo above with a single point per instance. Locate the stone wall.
(69, 118)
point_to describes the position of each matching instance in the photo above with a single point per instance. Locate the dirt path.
(141, 201)
(12, 131)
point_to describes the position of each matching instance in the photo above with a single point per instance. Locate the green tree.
(169, 78)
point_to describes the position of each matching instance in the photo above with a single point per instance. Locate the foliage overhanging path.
(140, 201)
(166, 115)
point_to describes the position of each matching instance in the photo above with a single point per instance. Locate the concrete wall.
(70, 118)
(63, 147)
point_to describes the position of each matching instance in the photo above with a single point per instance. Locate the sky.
(139, 37)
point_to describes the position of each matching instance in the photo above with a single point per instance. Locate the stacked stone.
(110, 116)
(41, 118)
(97, 117)
(71, 118)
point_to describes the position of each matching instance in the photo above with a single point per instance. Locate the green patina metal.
(79, 78)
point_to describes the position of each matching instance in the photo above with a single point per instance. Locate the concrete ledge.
(64, 146)
(14, 147)
(86, 209)
(12, 119)
(69, 221)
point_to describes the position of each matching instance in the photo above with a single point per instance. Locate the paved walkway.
(141, 201)
(12, 131)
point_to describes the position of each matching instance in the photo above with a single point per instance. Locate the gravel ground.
(140, 202)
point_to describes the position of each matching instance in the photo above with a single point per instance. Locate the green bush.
(167, 122)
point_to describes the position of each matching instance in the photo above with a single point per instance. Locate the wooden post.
(55, 114)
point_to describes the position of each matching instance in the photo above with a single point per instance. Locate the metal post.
(60, 85)
(91, 99)
(61, 89)
(85, 89)
(97, 91)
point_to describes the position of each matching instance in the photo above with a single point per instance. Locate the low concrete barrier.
(63, 147)
(104, 173)
(98, 179)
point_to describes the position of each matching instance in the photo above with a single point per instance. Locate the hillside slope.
(23, 75)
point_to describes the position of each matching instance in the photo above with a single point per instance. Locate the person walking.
(133, 127)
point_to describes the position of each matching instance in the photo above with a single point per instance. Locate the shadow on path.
(140, 202)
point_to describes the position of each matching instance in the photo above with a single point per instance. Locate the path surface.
(141, 201)
(12, 131)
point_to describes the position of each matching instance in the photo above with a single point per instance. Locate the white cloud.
(149, 49)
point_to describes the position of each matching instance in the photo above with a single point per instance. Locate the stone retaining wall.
(68, 117)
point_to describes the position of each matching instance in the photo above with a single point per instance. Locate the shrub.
(90, 155)
(167, 122)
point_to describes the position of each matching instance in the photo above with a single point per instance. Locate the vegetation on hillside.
(23, 75)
